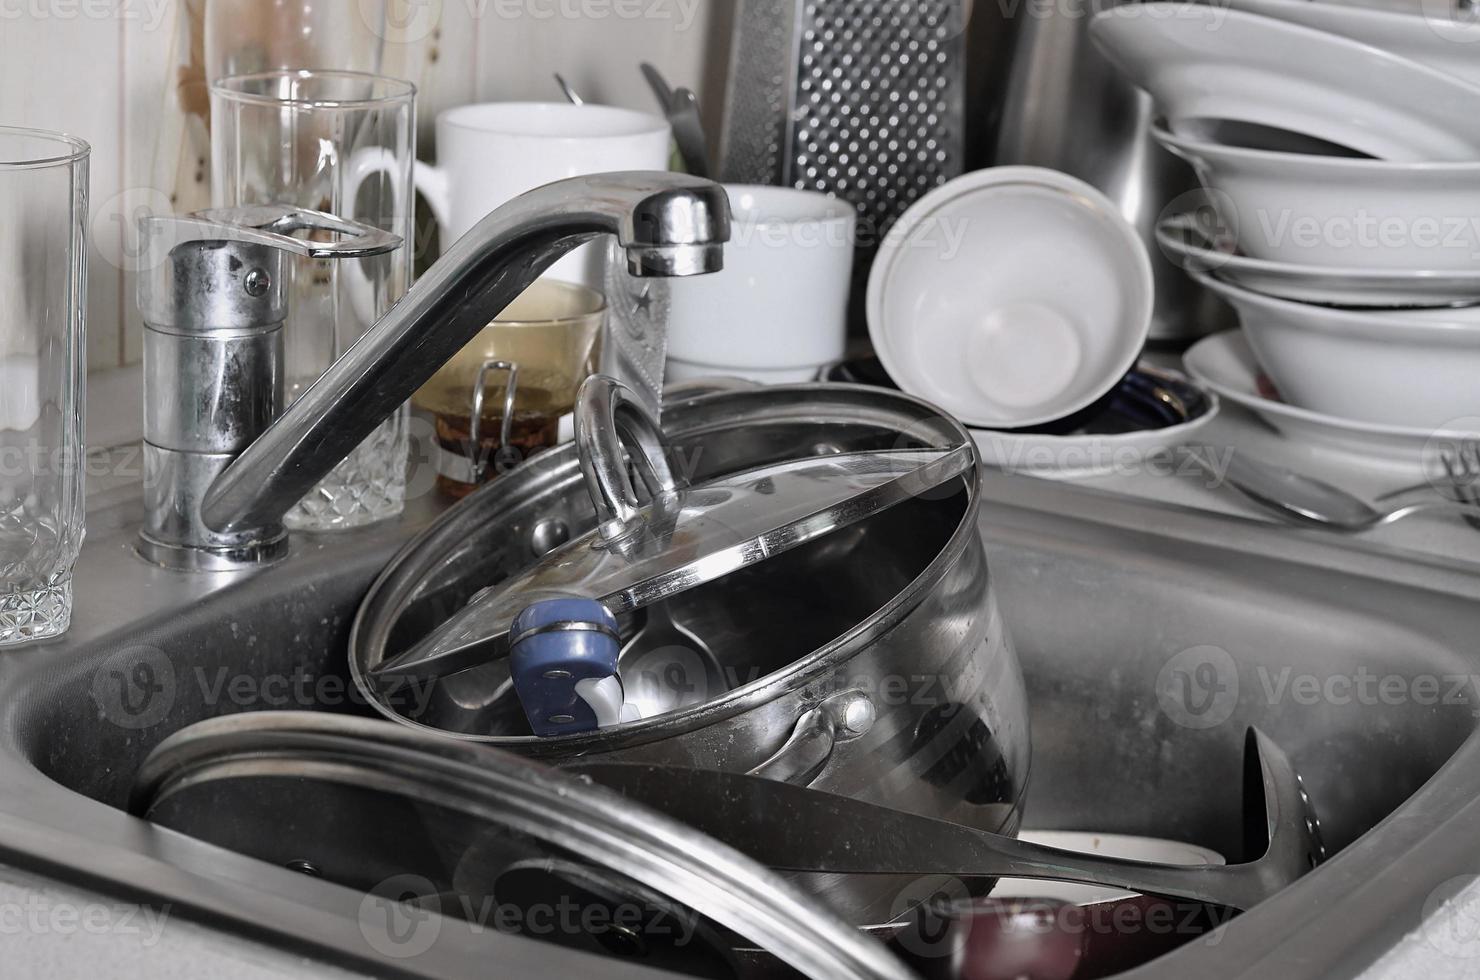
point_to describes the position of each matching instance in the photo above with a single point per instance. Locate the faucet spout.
(668, 225)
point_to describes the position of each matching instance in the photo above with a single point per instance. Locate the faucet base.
(192, 559)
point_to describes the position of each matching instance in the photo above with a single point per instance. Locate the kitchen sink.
(1150, 639)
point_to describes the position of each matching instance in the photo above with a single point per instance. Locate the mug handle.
(430, 181)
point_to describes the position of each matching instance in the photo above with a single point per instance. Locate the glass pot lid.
(684, 537)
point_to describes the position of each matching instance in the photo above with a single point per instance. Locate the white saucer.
(1225, 364)
(1437, 41)
(1131, 848)
(1086, 456)
(1182, 240)
(1203, 62)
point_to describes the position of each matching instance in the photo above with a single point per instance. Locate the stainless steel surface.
(1062, 105)
(685, 538)
(668, 225)
(667, 666)
(905, 594)
(796, 829)
(188, 777)
(1104, 596)
(214, 298)
(635, 347)
(841, 718)
(681, 108)
(1305, 500)
(863, 99)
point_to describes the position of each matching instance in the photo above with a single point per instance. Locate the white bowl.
(1183, 239)
(1414, 371)
(1437, 41)
(1403, 456)
(778, 312)
(1204, 62)
(1011, 297)
(1340, 212)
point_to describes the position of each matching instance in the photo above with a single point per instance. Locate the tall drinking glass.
(344, 143)
(243, 37)
(43, 295)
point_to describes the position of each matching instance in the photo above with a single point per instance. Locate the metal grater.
(863, 99)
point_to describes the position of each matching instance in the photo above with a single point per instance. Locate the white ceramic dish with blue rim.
(1087, 455)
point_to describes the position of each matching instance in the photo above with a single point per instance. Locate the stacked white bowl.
(1341, 213)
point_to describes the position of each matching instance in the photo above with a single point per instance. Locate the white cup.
(779, 311)
(491, 153)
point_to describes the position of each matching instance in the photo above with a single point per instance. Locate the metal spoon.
(681, 107)
(570, 93)
(1305, 500)
(792, 828)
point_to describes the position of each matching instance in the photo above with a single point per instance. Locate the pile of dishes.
(1019, 300)
(1341, 213)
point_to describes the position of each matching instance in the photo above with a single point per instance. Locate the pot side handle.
(840, 718)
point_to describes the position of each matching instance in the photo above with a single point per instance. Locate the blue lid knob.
(563, 662)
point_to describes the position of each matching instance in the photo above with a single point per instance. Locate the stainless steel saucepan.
(868, 661)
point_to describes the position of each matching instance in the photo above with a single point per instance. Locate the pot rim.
(373, 624)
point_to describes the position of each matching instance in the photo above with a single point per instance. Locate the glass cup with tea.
(502, 399)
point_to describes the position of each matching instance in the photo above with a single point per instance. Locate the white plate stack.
(1339, 152)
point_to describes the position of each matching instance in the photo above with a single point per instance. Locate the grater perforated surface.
(871, 108)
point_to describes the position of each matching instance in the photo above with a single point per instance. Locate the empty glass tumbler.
(43, 294)
(243, 37)
(344, 143)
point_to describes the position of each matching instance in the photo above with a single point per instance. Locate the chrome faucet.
(229, 510)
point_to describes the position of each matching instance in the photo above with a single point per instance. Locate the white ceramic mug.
(491, 153)
(779, 311)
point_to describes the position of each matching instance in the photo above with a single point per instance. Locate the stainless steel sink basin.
(1149, 637)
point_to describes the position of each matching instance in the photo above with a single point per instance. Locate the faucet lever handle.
(273, 225)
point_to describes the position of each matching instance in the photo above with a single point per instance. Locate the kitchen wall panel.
(110, 71)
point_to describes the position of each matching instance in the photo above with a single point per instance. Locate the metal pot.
(871, 662)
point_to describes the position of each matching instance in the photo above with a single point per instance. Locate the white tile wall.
(107, 70)
(48, 80)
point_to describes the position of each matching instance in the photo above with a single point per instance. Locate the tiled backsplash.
(107, 70)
